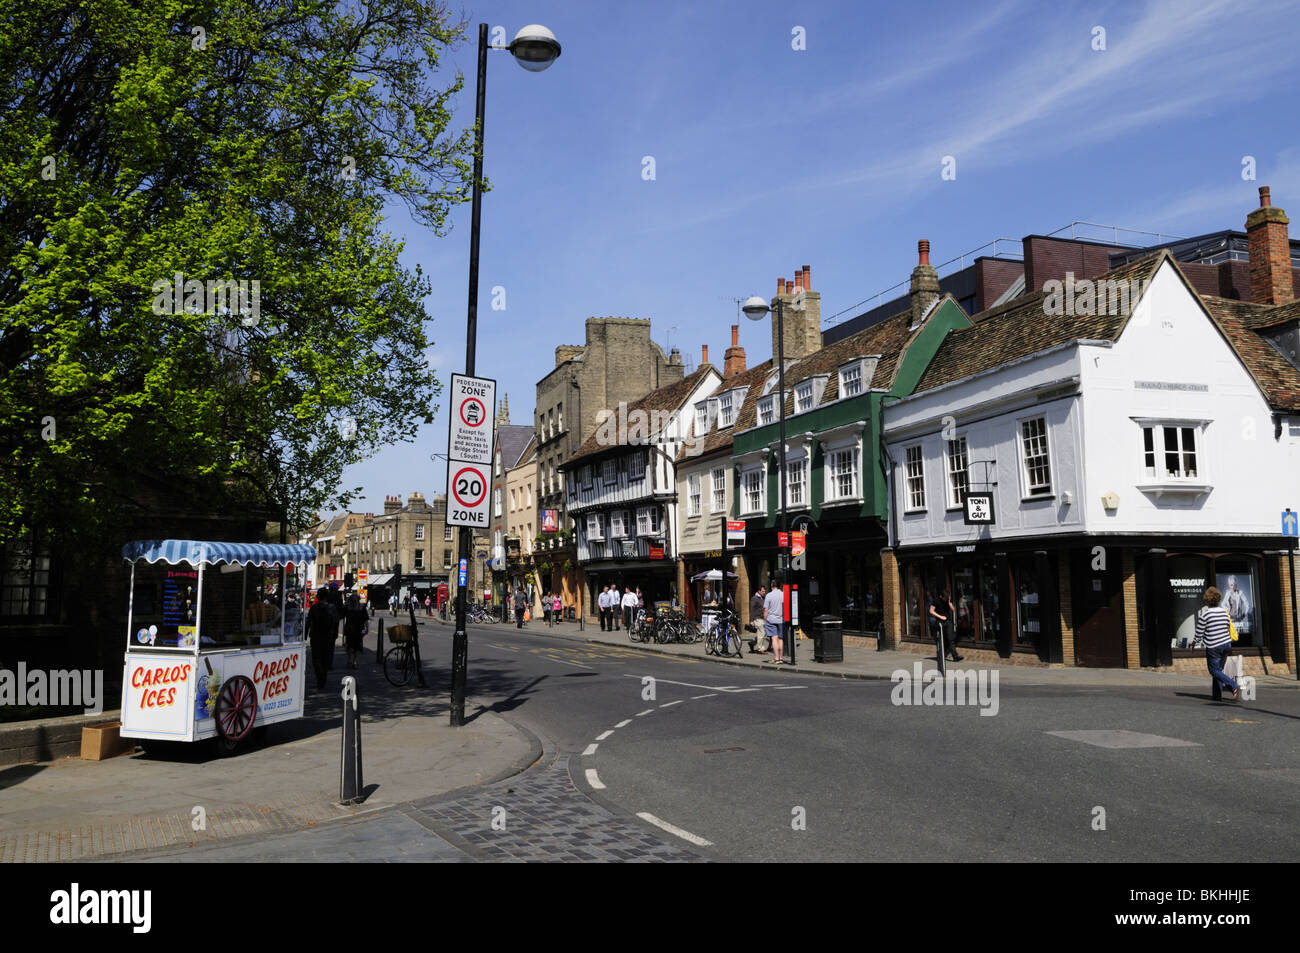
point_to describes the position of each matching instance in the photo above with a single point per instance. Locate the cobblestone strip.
(541, 816)
(119, 835)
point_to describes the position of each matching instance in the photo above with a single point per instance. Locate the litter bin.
(828, 639)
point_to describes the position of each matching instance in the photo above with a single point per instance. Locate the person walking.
(615, 600)
(356, 623)
(939, 609)
(600, 605)
(546, 607)
(773, 618)
(758, 646)
(392, 604)
(1214, 631)
(322, 632)
(520, 602)
(629, 607)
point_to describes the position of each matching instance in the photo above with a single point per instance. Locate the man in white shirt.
(629, 606)
(615, 600)
(773, 620)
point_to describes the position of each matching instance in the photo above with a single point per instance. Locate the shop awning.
(196, 552)
(381, 580)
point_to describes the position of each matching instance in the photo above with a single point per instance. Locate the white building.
(1133, 458)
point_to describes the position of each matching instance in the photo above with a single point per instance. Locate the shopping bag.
(1232, 667)
(1232, 630)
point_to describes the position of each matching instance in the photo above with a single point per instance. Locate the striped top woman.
(1212, 622)
(1213, 630)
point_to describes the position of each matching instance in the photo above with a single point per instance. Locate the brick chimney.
(704, 355)
(925, 282)
(1270, 253)
(734, 360)
(392, 504)
(803, 315)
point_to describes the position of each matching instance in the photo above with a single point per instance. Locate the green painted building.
(837, 477)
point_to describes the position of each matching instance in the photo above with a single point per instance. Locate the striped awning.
(195, 552)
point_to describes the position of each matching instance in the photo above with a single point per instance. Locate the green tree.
(231, 141)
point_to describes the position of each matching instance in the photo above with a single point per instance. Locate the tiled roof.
(889, 338)
(719, 438)
(1276, 376)
(513, 439)
(1020, 328)
(667, 398)
(1266, 316)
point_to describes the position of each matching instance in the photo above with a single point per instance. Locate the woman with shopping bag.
(1214, 630)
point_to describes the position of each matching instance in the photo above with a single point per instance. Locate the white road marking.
(698, 697)
(671, 704)
(672, 828)
(591, 749)
(769, 685)
(786, 688)
(604, 734)
(646, 712)
(1122, 738)
(593, 780)
(566, 661)
(714, 688)
(624, 723)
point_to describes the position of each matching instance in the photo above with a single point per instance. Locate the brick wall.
(993, 276)
(1130, 611)
(1067, 611)
(1048, 259)
(1288, 632)
(891, 597)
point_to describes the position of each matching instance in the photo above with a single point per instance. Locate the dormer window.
(808, 394)
(767, 410)
(726, 410)
(855, 377)
(702, 418)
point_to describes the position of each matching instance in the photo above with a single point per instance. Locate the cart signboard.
(215, 642)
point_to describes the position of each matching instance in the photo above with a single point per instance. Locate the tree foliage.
(227, 141)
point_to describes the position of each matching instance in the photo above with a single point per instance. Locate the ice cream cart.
(214, 639)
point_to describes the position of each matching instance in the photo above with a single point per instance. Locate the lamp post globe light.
(756, 309)
(534, 48)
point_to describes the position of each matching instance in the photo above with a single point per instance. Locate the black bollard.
(379, 643)
(350, 782)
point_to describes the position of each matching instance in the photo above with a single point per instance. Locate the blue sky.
(767, 158)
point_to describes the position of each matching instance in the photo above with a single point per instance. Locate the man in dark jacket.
(520, 603)
(322, 632)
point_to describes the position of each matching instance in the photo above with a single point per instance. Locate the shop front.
(1005, 601)
(1255, 582)
(1065, 601)
(656, 576)
(841, 575)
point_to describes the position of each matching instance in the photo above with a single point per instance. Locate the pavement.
(190, 797)
(870, 663)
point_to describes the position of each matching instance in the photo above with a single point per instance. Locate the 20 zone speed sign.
(467, 498)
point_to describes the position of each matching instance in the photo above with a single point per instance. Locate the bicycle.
(723, 638)
(403, 659)
(642, 626)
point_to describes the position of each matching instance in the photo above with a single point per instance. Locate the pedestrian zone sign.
(469, 450)
(463, 573)
(1289, 525)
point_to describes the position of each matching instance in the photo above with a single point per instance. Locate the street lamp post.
(534, 48)
(756, 309)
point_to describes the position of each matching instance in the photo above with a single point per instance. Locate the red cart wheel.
(235, 711)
